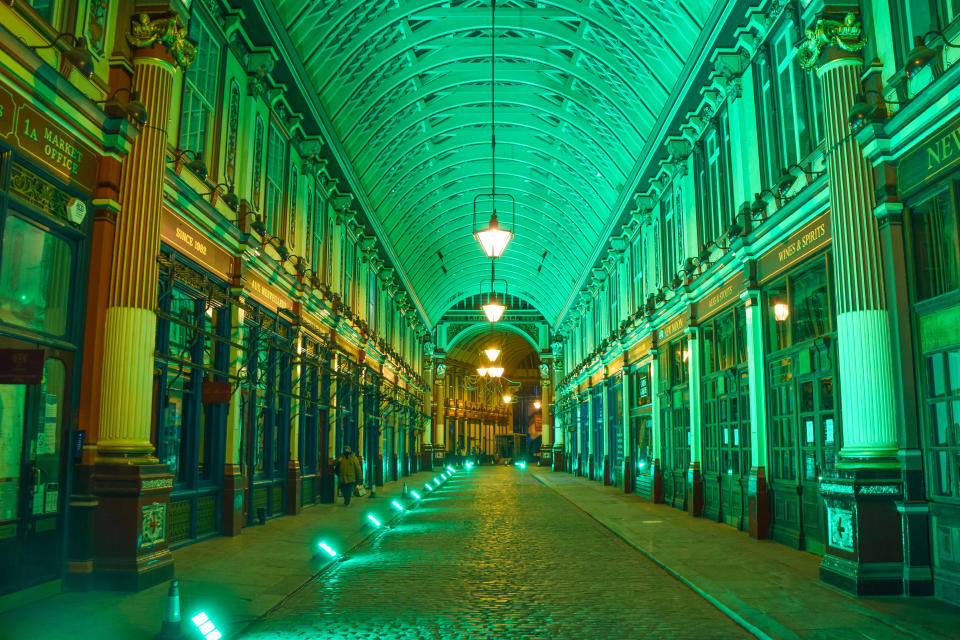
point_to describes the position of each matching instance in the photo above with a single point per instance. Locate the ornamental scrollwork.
(846, 35)
(167, 31)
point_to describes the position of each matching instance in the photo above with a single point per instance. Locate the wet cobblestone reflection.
(495, 554)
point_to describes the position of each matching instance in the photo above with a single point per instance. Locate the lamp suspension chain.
(493, 104)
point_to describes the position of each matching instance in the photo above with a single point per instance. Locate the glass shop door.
(32, 488)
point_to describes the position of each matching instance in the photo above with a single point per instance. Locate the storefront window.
(943, 419)
(933, 225)
(35, 277)
(799, 307)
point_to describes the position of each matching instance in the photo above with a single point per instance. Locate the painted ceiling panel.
(579, 85)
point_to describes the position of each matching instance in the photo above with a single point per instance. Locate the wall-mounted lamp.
(921, 55)
(229, 197)
(863, 113)
(781, 311)
(195, 165)
(77, 54)
(132, 108)
(536, 404)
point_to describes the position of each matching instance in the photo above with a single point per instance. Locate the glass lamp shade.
(536, 404)
(493, 310)
(493, 239)
(492, 354)
(507, 398)
(495, 372)
(482, 371)
(781, 311)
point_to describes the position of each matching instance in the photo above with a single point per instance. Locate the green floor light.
(375, 522)
(397, 505)
(415, 495)
(326, 547)
(449, 469)
(428, 487)
(206, 627)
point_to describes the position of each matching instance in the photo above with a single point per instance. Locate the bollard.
(404, 494)
(170, 627)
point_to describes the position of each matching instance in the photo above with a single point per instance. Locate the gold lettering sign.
(32, 132)
(937, 155)
(193, 243)
(723, 295)
(265, 293)
(802, 243)
(673, 327)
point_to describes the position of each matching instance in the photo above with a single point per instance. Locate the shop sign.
(193, 243)
(643, 385)
(266, 293)
(672, 328)
(21, 366)
(935, 156)
(802, 243)
(720, 297)
(639, 350)
(938, 330)
(26, 128)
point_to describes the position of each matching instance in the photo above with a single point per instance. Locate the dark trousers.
(347, 489)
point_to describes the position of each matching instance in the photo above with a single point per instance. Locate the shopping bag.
(359, 491)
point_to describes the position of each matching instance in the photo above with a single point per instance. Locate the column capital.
(166, 30)
(844, 35)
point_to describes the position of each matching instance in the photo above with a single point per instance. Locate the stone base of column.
(656, 495)
(327, 488)
(864, 536)
(546, 457)
(606, 471)
(758, 504)
(80, 550)
(231, 513)
(130, 525)
(294, 490)
(694, 490)
(559, 459)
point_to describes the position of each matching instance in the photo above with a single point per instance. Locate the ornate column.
(694, 472)
(656, 424)
(758, 493)
(132, 487)
(328, 416)
(232, 502)
(629, 446)
(864, 545)
(294, 470)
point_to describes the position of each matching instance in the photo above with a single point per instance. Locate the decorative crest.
(846, 35)
(167, 31)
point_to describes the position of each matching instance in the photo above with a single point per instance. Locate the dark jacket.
(348, 466)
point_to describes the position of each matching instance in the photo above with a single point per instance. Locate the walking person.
(348, 468)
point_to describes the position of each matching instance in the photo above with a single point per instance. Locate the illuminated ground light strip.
(326, 547)
(428, 487)
(415, 495)
(450, 469)
(521, 465)
(206, 627)
(397, 505)
(372, 519)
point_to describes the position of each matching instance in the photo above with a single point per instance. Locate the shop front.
(192, 386)
(615, 434)
(929, 181)
(596, 457)
(802, 396)
(314, 409)
(725, 404)
(674, 406)
(44, 258)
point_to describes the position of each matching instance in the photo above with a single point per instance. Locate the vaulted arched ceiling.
(515, 350)
(580, 85)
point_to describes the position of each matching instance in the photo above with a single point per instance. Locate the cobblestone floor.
(494, 554)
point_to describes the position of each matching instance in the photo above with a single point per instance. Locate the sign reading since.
(32, 131)
(21, 366)
(191, 242)
(936, 155)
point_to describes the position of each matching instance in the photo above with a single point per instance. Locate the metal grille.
(206, 515)
(178, 521)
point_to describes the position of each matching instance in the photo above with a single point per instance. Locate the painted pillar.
(606, 427)
(694, 472)
(327, 428)
(656, 426)
(232, 503)
(859, 496)
(758, 492)
(294, 470)
(133, 488)
(629, 465)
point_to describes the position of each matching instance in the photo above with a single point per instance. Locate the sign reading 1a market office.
(29, 130)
